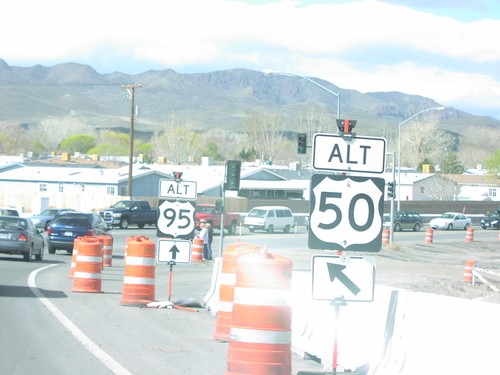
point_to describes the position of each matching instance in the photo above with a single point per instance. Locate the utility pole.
(131, 92)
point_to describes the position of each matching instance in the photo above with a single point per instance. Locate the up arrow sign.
(347, 278)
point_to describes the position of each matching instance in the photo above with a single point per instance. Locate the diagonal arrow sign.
(174, 250)
(335, 272)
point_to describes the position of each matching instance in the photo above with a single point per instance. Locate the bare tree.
(440, 188)
(265, 133)
(54, 130)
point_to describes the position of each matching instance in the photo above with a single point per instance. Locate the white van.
(269, 218)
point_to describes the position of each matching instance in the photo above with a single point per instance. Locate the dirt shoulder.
(439, 268)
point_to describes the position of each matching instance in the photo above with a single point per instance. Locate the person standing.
(204, 236)
(210, 238)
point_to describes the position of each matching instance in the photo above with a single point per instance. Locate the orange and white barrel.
(429, 234)
(468, 275)
(88, 267)
(227, 280)
(139, 279)
(469, 235)
(386, 236)
(260, 339)
(73, 257)
(197, 250)
(107, 250)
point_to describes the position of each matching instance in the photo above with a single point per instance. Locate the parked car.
(404, 220)
(450, 221)
(491, 221)
(9, 211)
(18, 235)
(269, 219)
(46, 216)
(63, 230)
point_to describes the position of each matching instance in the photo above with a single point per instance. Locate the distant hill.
(216, 100)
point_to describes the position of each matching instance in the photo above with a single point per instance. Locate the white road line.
(100, 354)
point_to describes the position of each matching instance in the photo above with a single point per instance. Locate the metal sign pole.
(223, 210)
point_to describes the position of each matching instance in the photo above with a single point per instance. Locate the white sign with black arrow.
(178, 251)
(343, 278)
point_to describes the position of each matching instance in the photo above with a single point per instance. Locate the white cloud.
(365, 45)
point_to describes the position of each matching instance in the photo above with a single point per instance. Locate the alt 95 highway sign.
(346, 213)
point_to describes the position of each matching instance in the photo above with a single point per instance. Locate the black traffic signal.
(233, 171)
(390, 189)
(302, 143)
(345, 126)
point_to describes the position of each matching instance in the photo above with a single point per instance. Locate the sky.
(446, 50)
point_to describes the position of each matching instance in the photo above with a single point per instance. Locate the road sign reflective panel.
(171, 189)
(343, 278)
(173, 250)
(331, 152)
(346, 213)
(176, 219)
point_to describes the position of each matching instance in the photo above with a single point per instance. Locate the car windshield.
(49, 212)
(257, 213)
(204, 209)
(73, 221)
(122, 204)
(7, 223)
(448, 216)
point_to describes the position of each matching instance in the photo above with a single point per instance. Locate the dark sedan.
(19, 236)
(67, 226)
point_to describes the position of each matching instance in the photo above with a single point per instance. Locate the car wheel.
(397, 228)
(251, 230)
(29, 256)
(39, 256)
(416, 228)
(52, 249)
(123, 223)
(450, 227)
(466, 226)
(286, 229)
(141, 225)
(270, 229)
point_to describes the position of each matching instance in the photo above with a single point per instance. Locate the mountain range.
(215, 100)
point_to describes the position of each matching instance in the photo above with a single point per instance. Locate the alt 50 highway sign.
(331, 152)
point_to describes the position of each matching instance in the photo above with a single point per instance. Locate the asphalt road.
(49, 329)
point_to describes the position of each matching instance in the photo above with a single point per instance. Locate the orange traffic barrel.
(469, 236)
(385, 236)
(227, 280)
(261, 334)
(107, 250)
(429, 233)
(73, 256)
(197, 250)
(139, 279)
(88, 267)
(468, 276)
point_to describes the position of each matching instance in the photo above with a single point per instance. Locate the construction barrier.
(386, 236)
(73, 257)
(197, 250)
(469, 236)
(88, 267)
(429, 233)
(468, 276)
(139, 279)
(226, 288)
(107, 250)
(260, 338)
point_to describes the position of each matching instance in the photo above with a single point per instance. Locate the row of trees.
(264, 136)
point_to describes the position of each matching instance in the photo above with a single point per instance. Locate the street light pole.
(131, 91)
(337, 94)
(399, 146)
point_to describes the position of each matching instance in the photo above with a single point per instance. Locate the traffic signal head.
(302, 143)
(233, 170)
(390, 189)
(345, 126)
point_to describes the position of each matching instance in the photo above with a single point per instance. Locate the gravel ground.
(439, 268)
